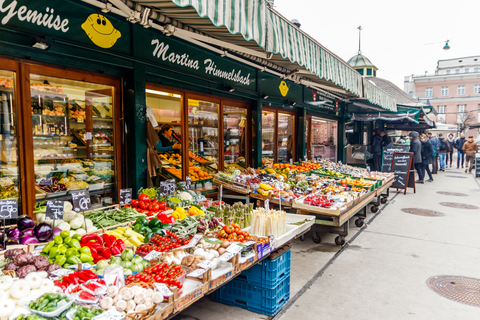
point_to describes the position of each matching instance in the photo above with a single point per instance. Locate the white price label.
(234, 248)
(291, 161)
(196, 273)
(226, 256)
(249, 243)
(84, 266)
(111, 314)
(152, 255)
(193, 242)
(163, 289)
(61, 272)
(272, 241)
(267, 205)
(35, 253)
(205, 264)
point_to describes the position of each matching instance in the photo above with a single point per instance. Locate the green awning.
(377, 96)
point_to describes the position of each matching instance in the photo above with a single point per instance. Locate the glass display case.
(234, 136)
(9, 169)
(73, 136)
(323, 139)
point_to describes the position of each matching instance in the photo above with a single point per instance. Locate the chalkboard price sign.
(8, 209)
(172, 186)
(54, 210)
(402, 167)
(125, 196)
(388, 156)
(81, 201)
(188, 183)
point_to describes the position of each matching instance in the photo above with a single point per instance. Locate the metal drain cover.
(456, 194)
(423, 212)
(458, 205)
(460, 177)
(461, 289)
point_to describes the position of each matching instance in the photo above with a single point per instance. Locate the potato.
(221, 251)
(225, 244)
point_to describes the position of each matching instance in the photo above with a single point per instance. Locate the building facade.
(454, 92)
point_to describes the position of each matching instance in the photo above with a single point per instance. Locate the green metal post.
(257, 133)
(136, 135)
(341, 154)
(301, 133)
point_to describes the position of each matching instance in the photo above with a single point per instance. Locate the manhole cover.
(423, 212)
(461, 289)
(460, 177)
(456, 194)
(458, 205)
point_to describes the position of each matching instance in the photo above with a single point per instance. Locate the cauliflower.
(185, 196)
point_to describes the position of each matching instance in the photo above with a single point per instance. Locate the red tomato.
(144, 205)
(134, 203)
(144, 197)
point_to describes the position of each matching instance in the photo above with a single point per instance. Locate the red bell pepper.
(106, 240)
(115, 250)
(86, 296)
(107, 253)
(112, 240)
(92, 237)
(121, 244)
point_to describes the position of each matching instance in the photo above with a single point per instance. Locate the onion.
(19, 289)
(7, 307)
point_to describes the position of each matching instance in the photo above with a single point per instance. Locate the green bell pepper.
(64, 234)
(73, 260)
(75, 244)
(62, 250)
(58, 239)
(86, 250)
(48, 246)
(67, 240)
(77, 237)
(53, 252)
(155, 223)
(86, 258)
(60, 259)
(142, 221)
(71, 252)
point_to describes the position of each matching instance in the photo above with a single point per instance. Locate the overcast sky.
(400, 37)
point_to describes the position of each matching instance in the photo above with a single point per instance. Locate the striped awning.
(377, 96)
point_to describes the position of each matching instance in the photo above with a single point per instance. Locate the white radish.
(5, 283)
(106, 303)
(148, 303)
(139, 298)
(47, 286)
(157, 297)
(112, 291)
(19, 289)
(7, 307)
(34, 280)
(121, 305)
(127, 294)
(131, 306)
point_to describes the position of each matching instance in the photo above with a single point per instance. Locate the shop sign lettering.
(161, 51)
(47, 19)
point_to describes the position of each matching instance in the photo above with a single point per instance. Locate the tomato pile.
(148, 206)
(319, 201)
(162, 273)
(233, 233)
(162, 244)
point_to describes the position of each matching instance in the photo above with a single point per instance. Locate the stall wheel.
(316, 237)
(302, 237)
(374, 209)
(383, 200)
(359, 222)
(340, 241)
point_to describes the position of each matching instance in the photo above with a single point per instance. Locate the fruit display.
(197, 157)
(176, 172)
(360, 183)
(173, 158)
(196, 173)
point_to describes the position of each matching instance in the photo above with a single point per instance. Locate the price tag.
(234, 248)
(125, 196)
(267, 205)
(272, 241)
(9, 209)
(196, 273)
(291, 161)
(163, 188)
(306, 159)
(54, 210)
(206, 264)
(111, 314)
(163, 289)
(84, 266)
(35, 253)
(192, 242)
(226, 256)
(152, 255)
(61, 272)
(280, 185)
(88, 136)
(249, 243)
(188, 183)
(172, 186)
(81, 201)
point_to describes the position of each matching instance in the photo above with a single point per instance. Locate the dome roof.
(360, 61)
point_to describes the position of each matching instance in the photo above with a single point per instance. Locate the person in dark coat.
(377, 150)
(436, 146)
(416, 149)
(427, 152)
(386, 140)
(459, 146)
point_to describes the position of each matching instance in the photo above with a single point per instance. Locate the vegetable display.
(48, 302)
(102, 247)
(66, 251)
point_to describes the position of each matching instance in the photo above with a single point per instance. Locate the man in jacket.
(443, 150)
(377, 150)
(459, 146)
(416, 149)
(427, 152)
(470, 148)
(451, 143)
(436, 145)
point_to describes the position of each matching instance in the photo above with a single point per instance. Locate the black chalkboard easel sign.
(402, 167)
(8, 209)
(125, 196)
(387, 155)
(81, 201)
(54, 210)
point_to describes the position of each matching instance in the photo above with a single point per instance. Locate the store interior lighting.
(161, 93)
(40, 43)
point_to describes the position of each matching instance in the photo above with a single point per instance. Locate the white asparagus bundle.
(266, 223)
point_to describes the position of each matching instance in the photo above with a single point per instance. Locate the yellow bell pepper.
(265, 186)
(136, 242)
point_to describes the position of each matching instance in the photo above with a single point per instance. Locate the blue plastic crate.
(240, 293)
(268, 273)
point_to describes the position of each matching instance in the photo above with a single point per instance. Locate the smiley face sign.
(101, 31)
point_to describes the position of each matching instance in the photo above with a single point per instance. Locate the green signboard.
(276, 87)
(314, 99)
(71, 21)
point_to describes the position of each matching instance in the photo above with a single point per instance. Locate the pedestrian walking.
(451, 143)
(442, 151)
(470, 148)
(436, 146)
(427, 152)
(459, 146)
(416, 149)
(377, 150)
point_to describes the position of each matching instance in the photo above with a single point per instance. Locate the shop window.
(166, 110)
(9, 178)
(286, 139)
(268, 135)
(203, 139)
(324, 139)
(234, 136)
(73, 136)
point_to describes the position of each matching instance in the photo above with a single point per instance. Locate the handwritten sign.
(197, 273)
(125, 196)
(205, 264)
(172, 186)
(163, 188)
(81, 201)
(111, 314)
(192, 242)
(163, 289)
(8, 209)
(54, 210)
(401, 163)
(226, 256)
(234, 248)
(388, 156)
(152, 255)
(188, 183)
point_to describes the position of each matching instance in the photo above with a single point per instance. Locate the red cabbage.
(25, 222)
(43, 231)
(28, 240)
(14, 234)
